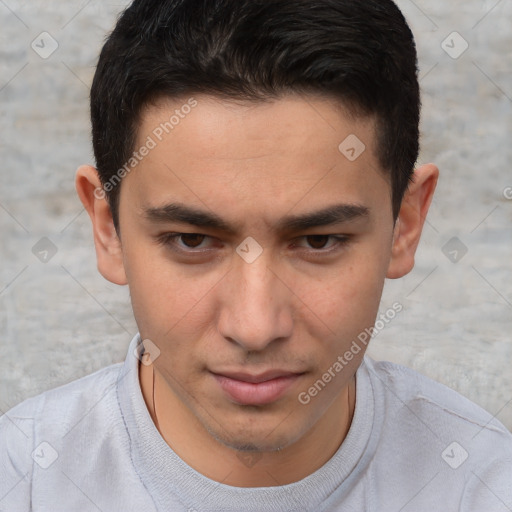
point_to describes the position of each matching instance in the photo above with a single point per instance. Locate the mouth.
(247, 389)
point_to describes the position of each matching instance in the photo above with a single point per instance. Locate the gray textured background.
(60, 320)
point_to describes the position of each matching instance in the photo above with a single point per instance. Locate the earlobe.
(109, 252)
(411, 219)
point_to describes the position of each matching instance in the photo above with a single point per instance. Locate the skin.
(296, 307)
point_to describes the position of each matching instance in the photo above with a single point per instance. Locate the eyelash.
(168, 239)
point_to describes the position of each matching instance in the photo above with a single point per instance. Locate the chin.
(255, 442)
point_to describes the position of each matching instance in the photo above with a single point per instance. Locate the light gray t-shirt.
(413, 445)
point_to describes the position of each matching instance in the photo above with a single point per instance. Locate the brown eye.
(185, 243)
(192, 240)
(323, 245)
(317, 241)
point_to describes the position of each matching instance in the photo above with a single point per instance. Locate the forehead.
(294, 149)
(290, 127)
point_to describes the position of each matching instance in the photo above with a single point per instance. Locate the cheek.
(343, 309)
(168, 303)
(159, 296)
(346, 298)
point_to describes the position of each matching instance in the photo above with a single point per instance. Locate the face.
(230, 270)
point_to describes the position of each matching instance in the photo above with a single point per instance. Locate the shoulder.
(466, 447)
(425, 395)
(415, 403)
(27, 428)
(64, 399)
(55, 410)
(426, 431)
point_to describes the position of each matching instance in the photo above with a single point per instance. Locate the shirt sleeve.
(490, 488)
(16, 463)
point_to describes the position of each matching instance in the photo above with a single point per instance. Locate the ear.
(409, 224)
(109, 252)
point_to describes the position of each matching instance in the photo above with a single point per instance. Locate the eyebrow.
(178, 212)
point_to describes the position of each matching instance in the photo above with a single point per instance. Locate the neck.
(193, 444)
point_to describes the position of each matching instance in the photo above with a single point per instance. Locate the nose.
(257, 305)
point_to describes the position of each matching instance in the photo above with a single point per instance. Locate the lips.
(251, 389)
(256, 379)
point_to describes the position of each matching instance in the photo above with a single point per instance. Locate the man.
(254, 187)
